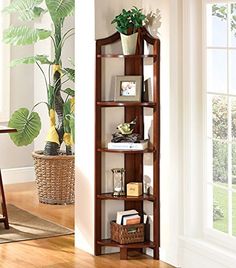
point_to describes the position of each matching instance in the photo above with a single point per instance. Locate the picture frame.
(128, 88)
(147, 90)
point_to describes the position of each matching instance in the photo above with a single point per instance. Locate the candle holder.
(118, 176)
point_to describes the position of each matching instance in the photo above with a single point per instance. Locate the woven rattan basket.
(126, 234)
(55, 178)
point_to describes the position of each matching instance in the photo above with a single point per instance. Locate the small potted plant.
(127, 24)
(54, 168)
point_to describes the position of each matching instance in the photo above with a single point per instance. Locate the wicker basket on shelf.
(127, 234)
(55, 178)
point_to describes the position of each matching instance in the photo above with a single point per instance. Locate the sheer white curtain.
(4, 66)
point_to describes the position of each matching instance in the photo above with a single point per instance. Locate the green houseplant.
(60, 98)
(127, 24)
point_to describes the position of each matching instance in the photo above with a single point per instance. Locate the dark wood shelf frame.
(133, 160)
(126, 104)
(110, 243)
(149, 150)
(126, 56)
(109, 196)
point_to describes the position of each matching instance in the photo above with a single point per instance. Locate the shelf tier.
(110, 243)
(109, 196)
(126, 104)
(106, 150)
(125, 56)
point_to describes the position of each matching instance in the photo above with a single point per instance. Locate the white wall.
(171, 124)
(21, 95)
(84, 187)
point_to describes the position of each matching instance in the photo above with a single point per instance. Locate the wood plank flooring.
(56, 252)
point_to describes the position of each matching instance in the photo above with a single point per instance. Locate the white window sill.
(208, 250)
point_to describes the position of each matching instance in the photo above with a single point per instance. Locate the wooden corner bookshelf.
(133, 160)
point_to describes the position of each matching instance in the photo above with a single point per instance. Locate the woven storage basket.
(126, 234)
(55, 178)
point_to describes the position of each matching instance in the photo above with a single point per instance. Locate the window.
(4, 68)
(221, 116)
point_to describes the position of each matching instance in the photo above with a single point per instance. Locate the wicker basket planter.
(55, 178)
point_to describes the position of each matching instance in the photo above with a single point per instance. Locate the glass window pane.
(232, 68)
(233, 25)
(220, 209)
(219, 117)
(217, 70)
(234, 165)
(217, 25)
(233, 118)
(220, 162)
(234, 211)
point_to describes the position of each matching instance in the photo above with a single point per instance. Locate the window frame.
(211, 234)
(5, 55)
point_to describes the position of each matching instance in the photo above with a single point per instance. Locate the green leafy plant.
(218, 213)
(60, 99)
(221, 11)
(128, 21)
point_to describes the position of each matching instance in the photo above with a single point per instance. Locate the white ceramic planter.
(129, 43)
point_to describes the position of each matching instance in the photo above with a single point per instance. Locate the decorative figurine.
(126, 134)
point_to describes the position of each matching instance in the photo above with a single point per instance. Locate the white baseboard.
(18, 175)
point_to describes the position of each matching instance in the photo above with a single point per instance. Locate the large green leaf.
(43, 59)
(24, 35)
(70, 73)
(28, 126)
(72, 127)
(27, 9)
(69, 91)
(66, 114)
(59, 9)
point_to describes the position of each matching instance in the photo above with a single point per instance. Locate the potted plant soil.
(127, 24)
(54, 168)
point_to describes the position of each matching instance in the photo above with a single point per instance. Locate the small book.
(135, 219)
(120, 215)
(142, 145)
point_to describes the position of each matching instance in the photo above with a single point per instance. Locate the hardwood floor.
(56, 252)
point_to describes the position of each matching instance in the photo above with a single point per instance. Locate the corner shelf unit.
(133, 160)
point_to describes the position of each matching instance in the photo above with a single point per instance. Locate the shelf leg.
(124, 254)
(98, 250)
(156, 253)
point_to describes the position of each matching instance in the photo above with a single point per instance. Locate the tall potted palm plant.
(54, 169)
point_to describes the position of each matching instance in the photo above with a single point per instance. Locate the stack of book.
(128, 217)
(142, 145)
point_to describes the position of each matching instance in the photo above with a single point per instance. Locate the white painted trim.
(220, 1)
(215, 254)
(223, 240)
(192, 118)
(85, 116)
(18, 175)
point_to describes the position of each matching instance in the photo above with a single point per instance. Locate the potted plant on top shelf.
(54, 169)
(127, 24)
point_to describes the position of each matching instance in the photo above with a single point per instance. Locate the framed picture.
(128, 88)
(147, 90)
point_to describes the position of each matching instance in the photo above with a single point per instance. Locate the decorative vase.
(55, 178)
(129, 43)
